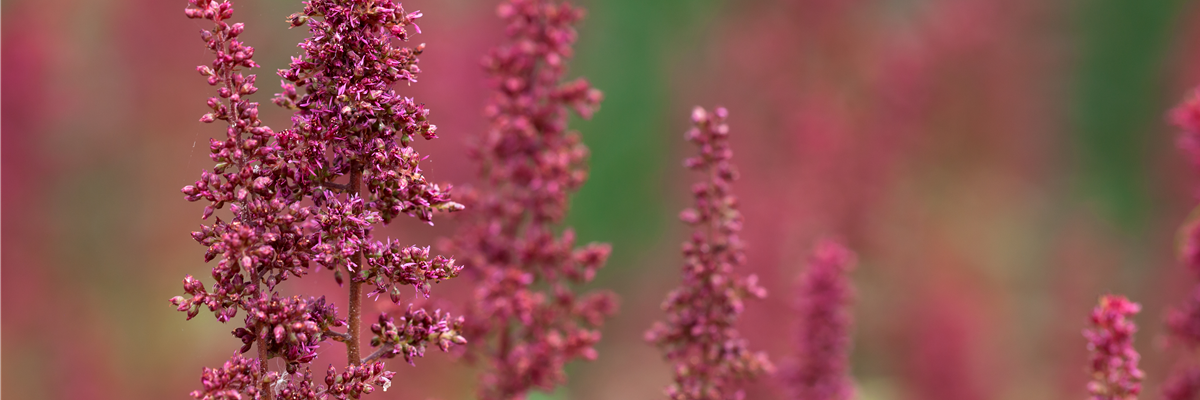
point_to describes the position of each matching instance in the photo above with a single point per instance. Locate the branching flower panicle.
(313, 193)
(1114, 361)
(699, 337)
(533, 321)
(823, 344)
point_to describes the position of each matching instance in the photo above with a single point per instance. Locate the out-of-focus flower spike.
(530, 163)
(1114, 361)
(821, 370)
(698, 337)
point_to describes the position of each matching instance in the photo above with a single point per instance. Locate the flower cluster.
(699, 335)
(238, 376)
(357, 380)
(293, 327)
(531, 321)
(313, 193)
(416, 329)
(1114, 361)
(823, 343)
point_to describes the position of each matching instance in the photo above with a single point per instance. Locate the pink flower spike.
(311, 195)
(709, 355)
(1114, 361)
(528, 320)
(823, 343)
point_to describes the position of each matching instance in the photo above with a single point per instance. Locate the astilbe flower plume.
(1114, 361)
(1186, 116)
(525, 310)
(1184, 321)
(313, 193)
(823, 343)
(698, 336)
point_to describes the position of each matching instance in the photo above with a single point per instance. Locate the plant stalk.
(355, 318)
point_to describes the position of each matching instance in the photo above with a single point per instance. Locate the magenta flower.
(313, 193)
(529, 321)
(1114, 361)
(823, 343)
(698, 336)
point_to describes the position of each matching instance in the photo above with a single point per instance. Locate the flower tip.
(698, 114)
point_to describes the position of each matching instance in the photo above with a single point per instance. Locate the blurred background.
(997, 165)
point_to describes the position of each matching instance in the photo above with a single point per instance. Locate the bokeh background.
(996, 164)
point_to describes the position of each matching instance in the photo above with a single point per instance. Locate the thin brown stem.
(336, 336)
(262, 360)
(355, 319)
(503, 350)
(262, 348)
(387, 348)
(335, 186)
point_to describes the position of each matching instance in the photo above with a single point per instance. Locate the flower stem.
(355, 319)
(386, 348)
(262, 359)
(262, 349)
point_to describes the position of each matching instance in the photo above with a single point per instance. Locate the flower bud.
(699, 115)
(297, 19)
(261, 183)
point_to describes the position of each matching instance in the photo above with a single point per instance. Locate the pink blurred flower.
(699, 337)
(823, 343)
(526, 320)
(1114, 361)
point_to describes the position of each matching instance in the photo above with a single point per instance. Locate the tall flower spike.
(698, 336)
(1114, 361)
(823, 344)
(313, 193)
(1184, 321)
(530, 321)
(1186, 116)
